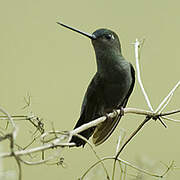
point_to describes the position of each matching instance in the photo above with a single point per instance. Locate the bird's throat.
(108, 62)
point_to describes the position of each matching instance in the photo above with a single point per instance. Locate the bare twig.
(127, 141)
(55, 155)
(166, 103)
(120, 139)
(15, 118)
(102, 163)
(12, 137)
(14, 130)
(19, 166)
(167, 97)
(171, 119)
(136, 48)
(133, 134)
(130, 165)
(170, 112)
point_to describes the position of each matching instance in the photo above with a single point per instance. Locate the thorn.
(162, 122)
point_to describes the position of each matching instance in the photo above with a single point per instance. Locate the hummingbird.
(109, 89)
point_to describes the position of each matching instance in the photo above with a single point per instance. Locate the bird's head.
(104, 41)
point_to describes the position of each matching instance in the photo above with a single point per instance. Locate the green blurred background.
(55, 65)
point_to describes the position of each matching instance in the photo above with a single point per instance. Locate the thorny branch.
(65, 135)
(160, 108)
(60, 139)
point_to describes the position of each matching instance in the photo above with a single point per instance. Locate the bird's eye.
(109, 36)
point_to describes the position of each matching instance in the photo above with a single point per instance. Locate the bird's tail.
(105, 129)
(87, 133)
(100, 132)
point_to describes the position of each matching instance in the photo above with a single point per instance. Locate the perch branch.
(57, 141)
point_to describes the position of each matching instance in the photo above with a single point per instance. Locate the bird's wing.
(93, 99)
(105, 129)
(90, 108)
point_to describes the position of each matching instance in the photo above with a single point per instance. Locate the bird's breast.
(116, 86)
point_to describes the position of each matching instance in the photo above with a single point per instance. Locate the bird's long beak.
(91, 36)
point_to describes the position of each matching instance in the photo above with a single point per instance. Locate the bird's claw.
(115, 112)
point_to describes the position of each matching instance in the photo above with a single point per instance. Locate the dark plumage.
(109, 89)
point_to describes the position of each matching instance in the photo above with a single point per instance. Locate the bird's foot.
(115, 112)
(108, 117)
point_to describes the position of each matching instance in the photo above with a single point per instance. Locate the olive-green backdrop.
(55, 65)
